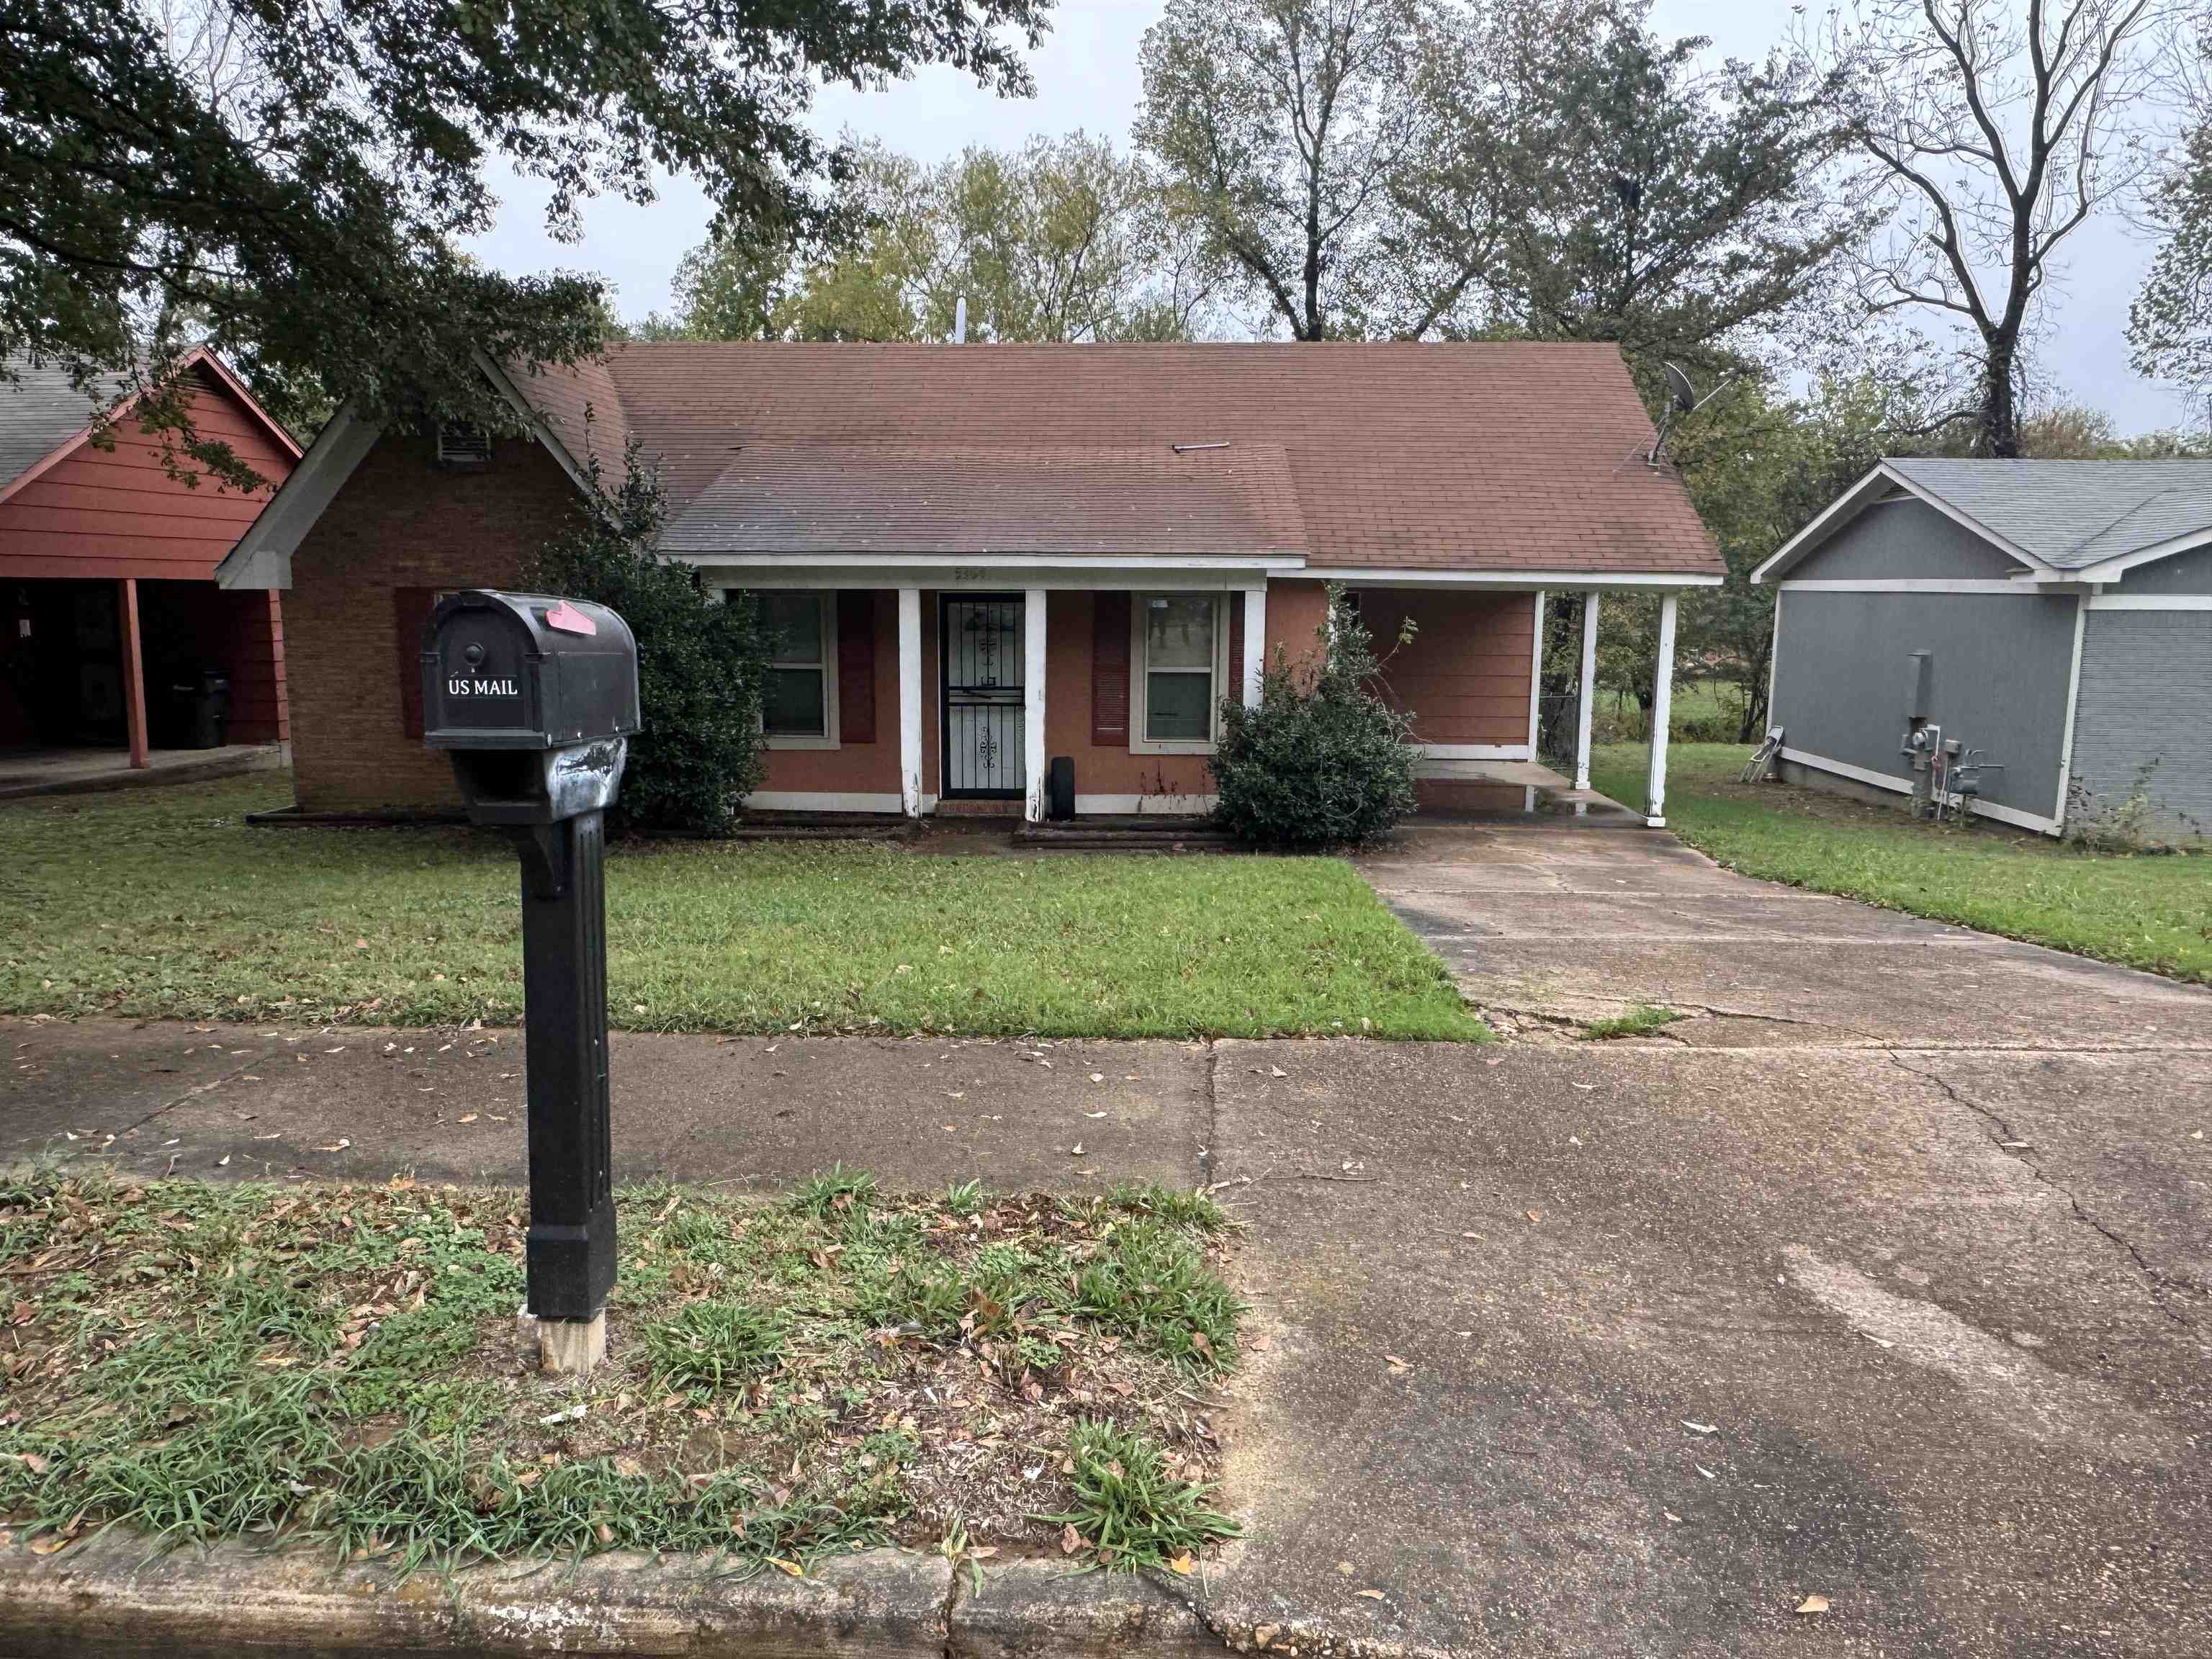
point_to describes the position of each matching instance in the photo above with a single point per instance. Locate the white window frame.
(1140, 677)
(829, 738)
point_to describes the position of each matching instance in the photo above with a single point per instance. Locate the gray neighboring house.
(2068, 609)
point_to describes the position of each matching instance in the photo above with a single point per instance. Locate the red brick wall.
(401, 521)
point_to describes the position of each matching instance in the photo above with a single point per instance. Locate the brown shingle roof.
(954, 499)
(1479, 457)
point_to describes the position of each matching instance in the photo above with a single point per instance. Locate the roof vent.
(463, 444)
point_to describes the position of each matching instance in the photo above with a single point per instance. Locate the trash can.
(202, 709)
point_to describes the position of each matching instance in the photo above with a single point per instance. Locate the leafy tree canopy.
(1060, 240)
(293, 195)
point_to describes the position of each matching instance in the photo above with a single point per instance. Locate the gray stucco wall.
(2184, 573)
(2001, 671)
(1904, 539)
(2146, 696)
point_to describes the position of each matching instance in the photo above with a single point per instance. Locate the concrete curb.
(111, 1597)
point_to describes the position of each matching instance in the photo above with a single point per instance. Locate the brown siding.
(190, 626)
(114, 513)
(1466, 673)
(399, 522)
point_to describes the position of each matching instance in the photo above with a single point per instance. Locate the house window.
(799, 705)
(1179, 660)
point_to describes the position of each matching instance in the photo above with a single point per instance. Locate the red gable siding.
(102, 513)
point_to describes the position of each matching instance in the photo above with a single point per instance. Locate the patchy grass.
(163, 903)
(2141, 910)
(342, 1363)
(1638, 1021)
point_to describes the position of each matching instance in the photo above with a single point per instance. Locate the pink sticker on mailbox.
(569, 620)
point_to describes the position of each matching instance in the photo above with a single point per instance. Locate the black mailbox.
(534, 698)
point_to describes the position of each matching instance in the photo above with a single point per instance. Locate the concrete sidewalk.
(1574, 1349)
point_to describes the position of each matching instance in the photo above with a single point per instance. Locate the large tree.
(1678, 210)
(301, 209)
(2170, 324)
(1280, 128)
(1994, 134)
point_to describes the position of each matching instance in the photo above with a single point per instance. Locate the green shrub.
(701, 663)
(1322, 760)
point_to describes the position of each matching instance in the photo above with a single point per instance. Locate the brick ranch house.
(108, 600)
(979, 558)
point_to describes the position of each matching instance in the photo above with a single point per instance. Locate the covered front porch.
(1090, 690)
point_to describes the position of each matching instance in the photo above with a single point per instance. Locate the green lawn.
(2146, 911)
(164, 901)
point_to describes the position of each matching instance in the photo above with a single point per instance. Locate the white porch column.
(1033, 754)
(1588, 691)
(909, 700)
(1662, 701)
(1256, 643)
(1536, 677)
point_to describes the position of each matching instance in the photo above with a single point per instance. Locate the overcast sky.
(1086, 77)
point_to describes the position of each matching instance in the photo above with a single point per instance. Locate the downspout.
(2073, 698)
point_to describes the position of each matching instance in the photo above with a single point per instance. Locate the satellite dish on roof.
(1682, 399)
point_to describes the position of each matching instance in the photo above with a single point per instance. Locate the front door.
(978, 640)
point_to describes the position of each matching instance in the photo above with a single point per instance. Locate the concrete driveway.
(1882, 1280)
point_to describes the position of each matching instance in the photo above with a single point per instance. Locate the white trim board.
(1225, 578)
(2073, 700)
(2110, 569)
(1988, 809)
(1519, 580)
(1143, 806)
(1497, 751)
(262, 557)
(2150, 601)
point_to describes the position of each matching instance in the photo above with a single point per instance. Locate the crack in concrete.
(944, 1613)
(2006, 1139)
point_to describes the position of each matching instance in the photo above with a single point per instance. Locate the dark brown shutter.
(1109, 671)
(856, 667)
(411, 608)
(1235, 685)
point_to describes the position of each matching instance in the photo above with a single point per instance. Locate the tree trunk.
(2000, 420)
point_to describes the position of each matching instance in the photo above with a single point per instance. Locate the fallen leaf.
(1813, 1604)
(1070, 1540)
(791, 1567)
(1372, 1594)
(1277, 1071)
(1098, 1077)
(1182, 1563)
(1398, 1367)
(466, 1117)
(1701, 1428)
(50, 1543)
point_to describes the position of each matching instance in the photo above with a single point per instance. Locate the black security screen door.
(980, 644)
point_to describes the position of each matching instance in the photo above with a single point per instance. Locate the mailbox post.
(534, 698)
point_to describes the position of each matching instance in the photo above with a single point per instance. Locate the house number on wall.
(969, 573)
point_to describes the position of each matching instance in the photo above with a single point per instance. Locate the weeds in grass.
(837, 1191)
(199, 1363)
(1638, 1021)
(714, 1345)
(1129, 1511)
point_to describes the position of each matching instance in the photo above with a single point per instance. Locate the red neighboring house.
(981, 559)
(108, 600)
